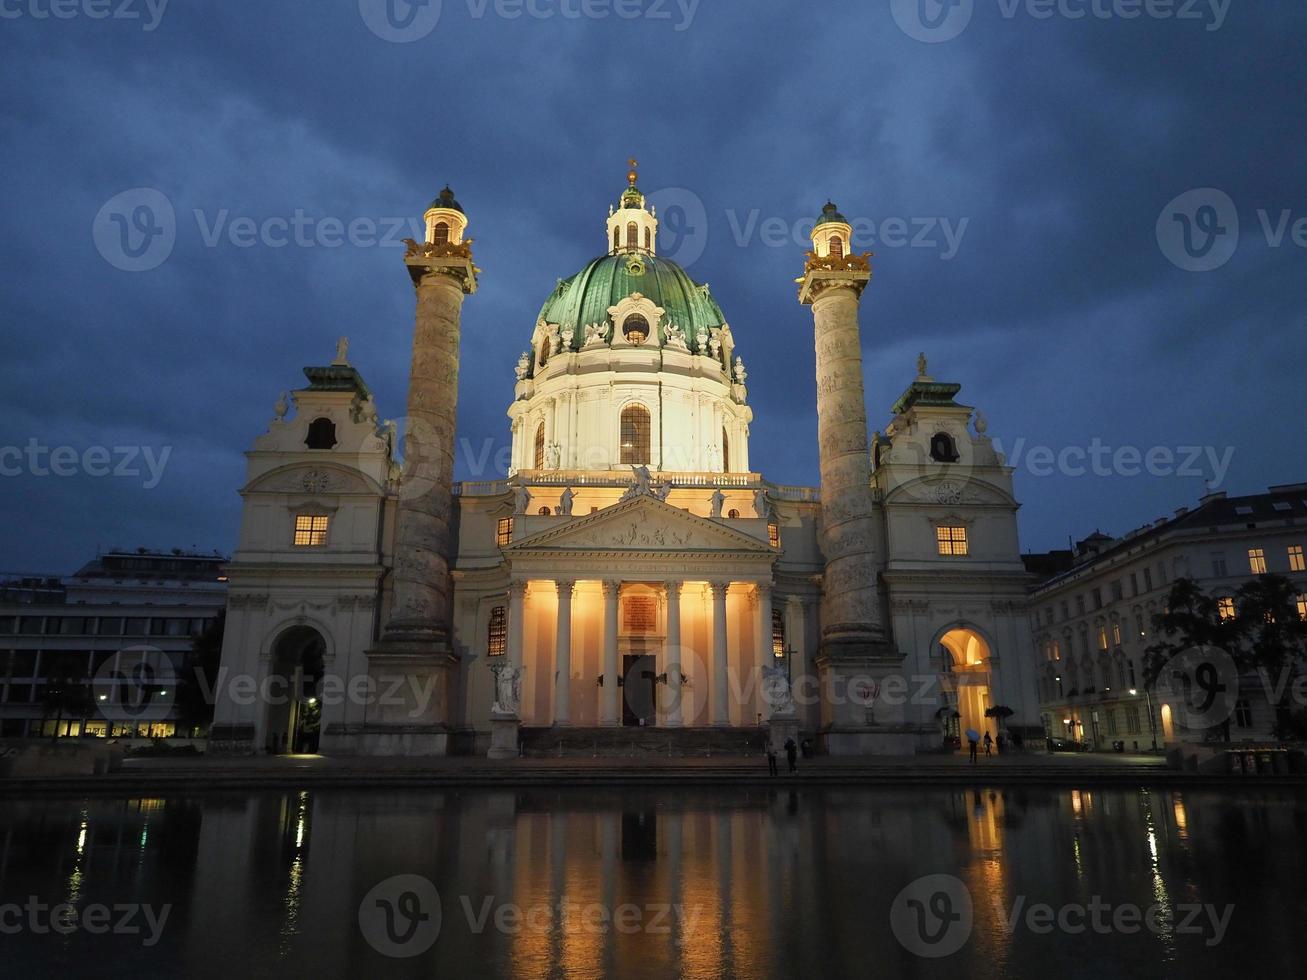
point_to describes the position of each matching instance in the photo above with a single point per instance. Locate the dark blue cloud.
(1057, 142)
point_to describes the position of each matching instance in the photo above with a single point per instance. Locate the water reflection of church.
(633, 571)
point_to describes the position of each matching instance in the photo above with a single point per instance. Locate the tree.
(1259, 630)
(195, 685)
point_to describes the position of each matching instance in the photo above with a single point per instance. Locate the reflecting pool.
(636, 883)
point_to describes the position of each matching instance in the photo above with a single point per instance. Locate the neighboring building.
(122, 613)
(674, 583)
(1093, 622)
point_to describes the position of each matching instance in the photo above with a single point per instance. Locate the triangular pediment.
(643, 524)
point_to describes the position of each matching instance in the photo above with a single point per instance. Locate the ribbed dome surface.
(586, 297)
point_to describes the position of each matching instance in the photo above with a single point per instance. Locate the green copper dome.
(446, 200)
(586, 297)
(831, 213)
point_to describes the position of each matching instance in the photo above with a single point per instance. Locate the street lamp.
(1152, 723)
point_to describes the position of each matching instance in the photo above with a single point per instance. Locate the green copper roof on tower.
(446, 200)
(831, 213)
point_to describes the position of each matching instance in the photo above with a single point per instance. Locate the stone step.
(637, 742)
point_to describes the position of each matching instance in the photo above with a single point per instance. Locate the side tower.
(855, 658)
(415, 645)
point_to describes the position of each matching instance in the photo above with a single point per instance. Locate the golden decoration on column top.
(633, 174)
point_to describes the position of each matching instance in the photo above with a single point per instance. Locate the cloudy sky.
(1022, 169)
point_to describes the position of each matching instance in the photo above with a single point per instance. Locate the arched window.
(544, 352)
(635, 434)
(647, 240)
(732, 513)
(441, 233)
(635, 329)
(777, 633)
(837, 247)
(726, 452)
(540, 447)
(322, 434)
(942, 449)
(617, 238)
(632, 235)
(497, 632)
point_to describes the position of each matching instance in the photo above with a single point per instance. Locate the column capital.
(517, 586)
(673, 590)
(764, 589)
(564, 585)
(719, 587)
(611, 587)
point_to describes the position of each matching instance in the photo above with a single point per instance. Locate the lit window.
(732, 513)
(617, 238)
(1102, 637)
(647, 239)
(1295, 558)
(1116, 634)
(774, 535)
(635, 329)
(1302, 605)
(635, 435)
(539, 455)
(441, 233)
(632, 235)
(1257, 561)
(504, 532)
(1225, 607)
(726, 452)
(951, 540)
(544, 512)
(497, 633)
(837, 246)
(777, 633)
(310, 530)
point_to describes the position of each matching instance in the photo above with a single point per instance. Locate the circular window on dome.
(635, 329)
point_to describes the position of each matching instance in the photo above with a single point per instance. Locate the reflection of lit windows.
(497, 633)
(951, 540)
(774, 535)
(504, 532)
(1257, 561)
(1225, 607)
(310, 530)
(1295, 558)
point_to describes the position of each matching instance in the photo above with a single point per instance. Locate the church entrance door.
(638, 685)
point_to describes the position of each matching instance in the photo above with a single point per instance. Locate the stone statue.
(982, 423)
(715, 343)
(508, 688)
(675, 336)
(776, 691)
(663, 490)
(342, 349)
(740, 373)
(553, 456)
(701, 341)
(642, 484)
(523, 365)
(521, 500)
(718, 502)
(921, 364)
(281, 408)
(569, 332)
(595, 334)
(565, 502)
(760, 502)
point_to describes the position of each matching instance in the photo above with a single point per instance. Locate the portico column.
(516, 607)
(721, 703)
(765, 655)
(672, 656)
(563, 654)
(608, 704)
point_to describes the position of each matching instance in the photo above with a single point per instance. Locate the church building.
(631, 576)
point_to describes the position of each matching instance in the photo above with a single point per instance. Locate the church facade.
(631, 570)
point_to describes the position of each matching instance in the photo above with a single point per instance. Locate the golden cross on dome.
(633, 174)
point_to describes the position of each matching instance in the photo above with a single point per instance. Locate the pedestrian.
(973, 742)
(771, 759)
(792, 754)
(989, 744)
